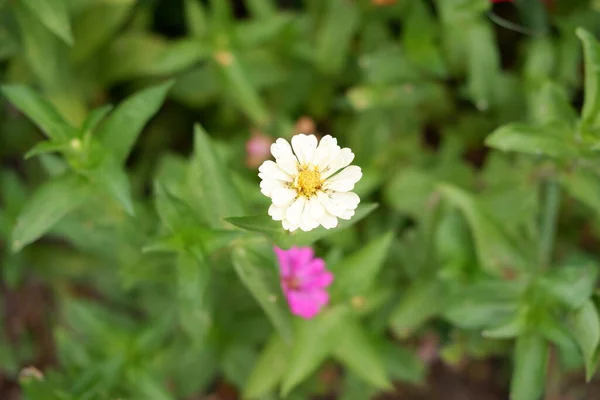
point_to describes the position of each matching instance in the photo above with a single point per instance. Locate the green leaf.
(548, 140)
(97, 24)
(484, 65)
(54, 14)
(590, 114)
(110, 176)
(212, 182)
(262, 9)
(571, 285)
(586, 331)
(48, 146)
(496, 251)
(94, 118)
(195, 17)
(258, 273)
(241, 88)
(40, 111)
(258, 223)
(123, 126)
(583, 185)
(314, 339)
(484, 304)
(268, 370)
(357, 352)
(48, 204)
(341, 21)
(193, 278)
(355, 274)
(403, 364)
(416, 306)
(552, 105)
(529, 370)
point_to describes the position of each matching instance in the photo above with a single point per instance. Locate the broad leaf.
(357, 352)
(121, 129)
(258, 273)
(549, 140)
(211, 182)
(529, 367)
(268, 370)
(54, 14)
(590, 114)
(110, 176)
(40, 111)
(355, 274)
(586, 331)
(48, 204)
(314, 339)
(570, 285)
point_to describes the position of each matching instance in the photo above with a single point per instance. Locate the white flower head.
(311, 185)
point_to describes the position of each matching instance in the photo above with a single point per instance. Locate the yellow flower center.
(308, 181)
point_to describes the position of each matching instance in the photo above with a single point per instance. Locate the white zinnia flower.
(306, 188)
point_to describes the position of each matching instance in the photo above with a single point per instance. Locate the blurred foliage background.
(135, 246)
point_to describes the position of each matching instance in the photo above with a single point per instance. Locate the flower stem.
(551, 199)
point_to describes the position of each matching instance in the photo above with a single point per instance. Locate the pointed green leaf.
(195, 17)
(212, 182)
(496, 251)
(403, 364)
(110, 176)
(258, 223)
(193, 277)
(590, 114)
(258, 273)
(48, 146)
(416, 306)
(241, 88)
(355, 274)
(121, 129)
(552, 105)
(549, 140)
(571, 285)
(314, 340)
(484, 304)
(268, 370)
(586, 331)
(165, 244)
(262, 9)
(48, 204)
(529, 367)
(94, 118)
(583, 185)
(341, 20)
(54, 14)
(40, 111)
(357, 352)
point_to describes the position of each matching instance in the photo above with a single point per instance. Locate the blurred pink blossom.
(258, 149)
(303, 280)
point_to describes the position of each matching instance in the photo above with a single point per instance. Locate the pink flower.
(303, 280)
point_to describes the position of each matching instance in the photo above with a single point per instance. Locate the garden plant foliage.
(137, 254)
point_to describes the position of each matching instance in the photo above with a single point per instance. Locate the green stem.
(550, 200)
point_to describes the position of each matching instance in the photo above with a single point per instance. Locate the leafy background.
(135, 245)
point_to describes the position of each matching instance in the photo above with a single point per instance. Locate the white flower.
(306, 188)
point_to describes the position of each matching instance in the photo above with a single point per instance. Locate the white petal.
(288, 227)
(326, 152)
(269, 169)
(294, 212)
(348, 200)
(277, 213)
(285, 158)
(304, 147)
(332, 207)
(328, 221)
(307, 223)
(268, 185)
(283, 196)
(316, 208)
(345, 180)
(347, 214)
(341, 160)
